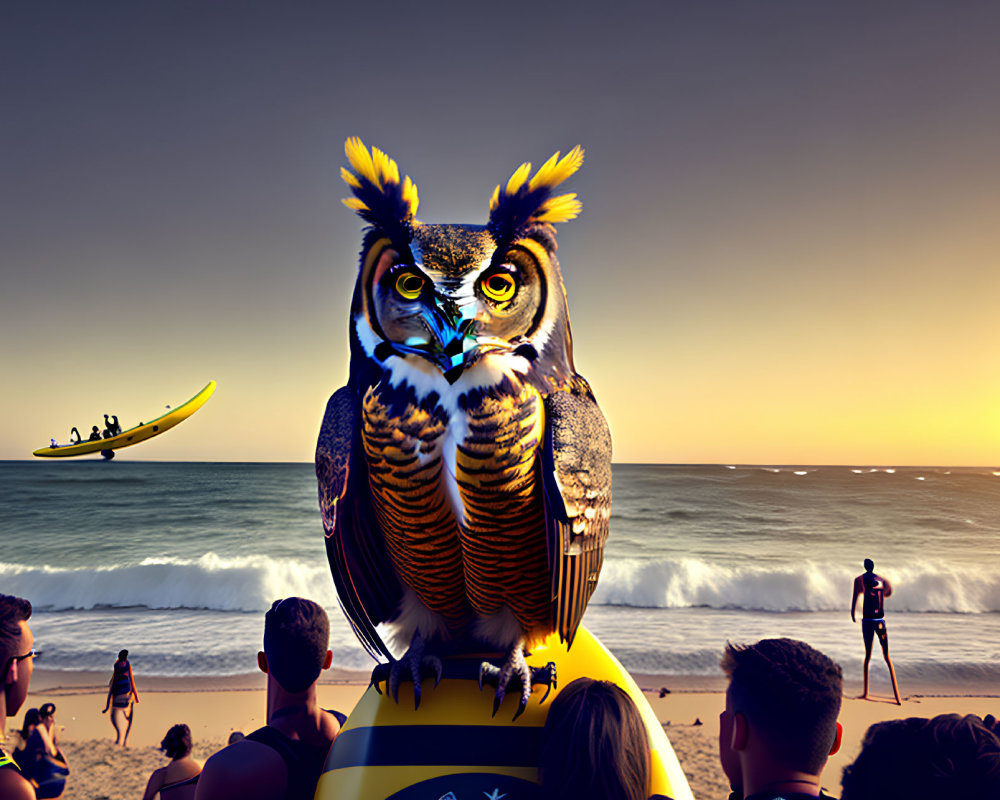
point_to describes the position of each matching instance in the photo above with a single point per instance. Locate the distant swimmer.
(112, 424)
(78, 439)
(873, 589)
(95, 434)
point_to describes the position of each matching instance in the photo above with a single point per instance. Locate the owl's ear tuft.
(527, 201)
(379, 197)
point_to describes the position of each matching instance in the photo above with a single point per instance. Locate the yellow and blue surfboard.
(451, 747)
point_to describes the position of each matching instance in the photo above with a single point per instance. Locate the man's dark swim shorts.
(873, 627)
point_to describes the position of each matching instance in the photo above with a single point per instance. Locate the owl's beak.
(452, 343)
(454, 330)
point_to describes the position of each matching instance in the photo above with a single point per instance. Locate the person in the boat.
(95, 434)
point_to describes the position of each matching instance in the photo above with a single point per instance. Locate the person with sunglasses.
(17, 655)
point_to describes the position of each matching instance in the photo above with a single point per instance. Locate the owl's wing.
(577, 481)
(367, 585)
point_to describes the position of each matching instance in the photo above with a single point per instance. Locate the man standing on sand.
(873, 589)
(286, 757)
(17, 655)
(780, 721)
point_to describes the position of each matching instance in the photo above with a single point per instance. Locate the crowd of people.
(777, 729)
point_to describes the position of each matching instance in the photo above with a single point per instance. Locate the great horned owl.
(465, 469)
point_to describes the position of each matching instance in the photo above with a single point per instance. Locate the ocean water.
(177, 562)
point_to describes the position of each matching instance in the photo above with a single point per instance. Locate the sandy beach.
(215, 706)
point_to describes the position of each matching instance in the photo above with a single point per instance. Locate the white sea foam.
(226, 584)
(687, 583)
(250, 584)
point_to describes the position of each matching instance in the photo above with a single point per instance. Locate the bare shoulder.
(245, 770)
(331, 724)
(154, 783)
(157, 776)
(15, 787)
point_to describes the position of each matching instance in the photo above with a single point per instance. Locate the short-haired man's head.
(296, 639)
(949, 756)
(123, 655)
(790, 694)
(869, 565)
(594, 744)
(177, 742)
(13, 611)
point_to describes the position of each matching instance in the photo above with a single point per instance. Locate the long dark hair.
(30, 718)
(594, 744)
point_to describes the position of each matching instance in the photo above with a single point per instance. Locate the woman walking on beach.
(121, 695)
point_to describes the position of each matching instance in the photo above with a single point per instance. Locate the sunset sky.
(789, 250)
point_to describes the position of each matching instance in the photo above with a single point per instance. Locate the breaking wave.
(691, 583)
(248, 583)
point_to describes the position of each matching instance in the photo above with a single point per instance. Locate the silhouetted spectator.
(284, 758)
(780, 722)
(594, 745)
(178, 779)
(949, 756)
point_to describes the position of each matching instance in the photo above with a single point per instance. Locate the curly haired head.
(177, 742)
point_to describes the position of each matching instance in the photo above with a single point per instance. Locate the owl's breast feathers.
(458, 497)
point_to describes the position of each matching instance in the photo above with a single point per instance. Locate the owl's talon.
(488, 674)
(545, 675)
(413, 666)
(380, 673)
(514, 669)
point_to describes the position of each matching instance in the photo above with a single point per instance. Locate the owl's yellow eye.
(409, 285)
(499, 287)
